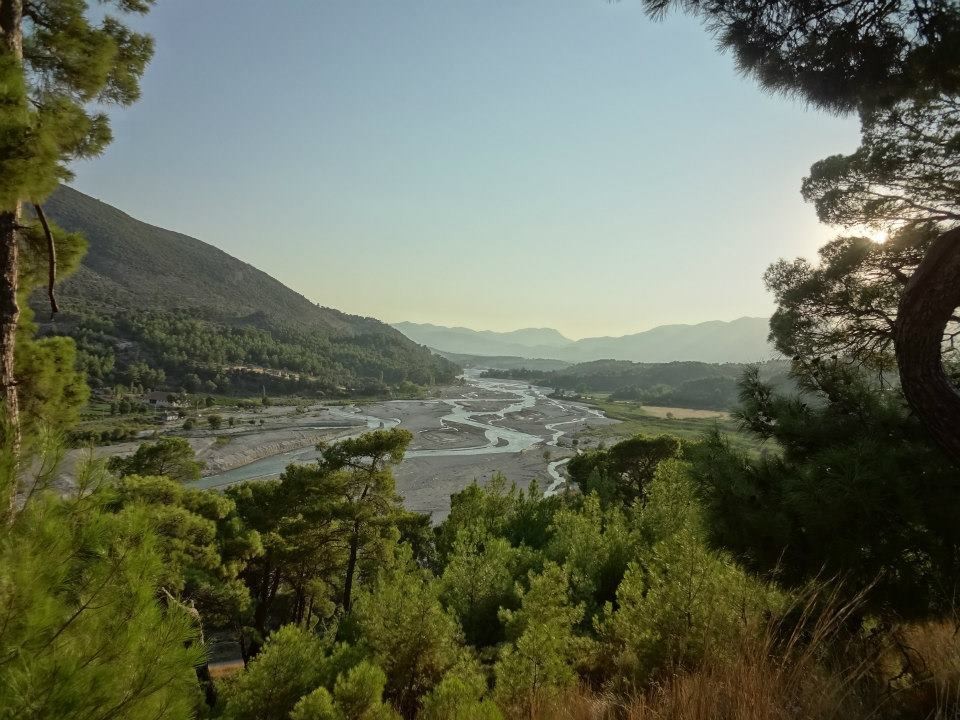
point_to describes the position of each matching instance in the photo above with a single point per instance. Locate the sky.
(493, 164)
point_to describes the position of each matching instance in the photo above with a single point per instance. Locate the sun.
(877, 235)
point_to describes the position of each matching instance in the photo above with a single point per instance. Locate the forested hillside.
(708, 386)
(154, 307)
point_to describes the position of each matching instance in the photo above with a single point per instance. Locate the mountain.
(147, 296)
(504, 362)
(716, 341)
(485, 342)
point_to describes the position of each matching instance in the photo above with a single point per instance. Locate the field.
(683, 423)
(684, 413)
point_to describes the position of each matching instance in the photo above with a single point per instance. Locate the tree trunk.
(9, 317)
(930, 298)
(11, 35)
(351, 567)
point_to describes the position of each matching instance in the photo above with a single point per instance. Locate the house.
(158, 399)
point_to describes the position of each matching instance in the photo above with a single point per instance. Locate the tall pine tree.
(896, 62)
(58, 66)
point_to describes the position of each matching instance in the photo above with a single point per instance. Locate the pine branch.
(51, 259)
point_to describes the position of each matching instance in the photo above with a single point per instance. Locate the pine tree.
(367, 488)
(898, 64)
(86, 635)
(56, 64)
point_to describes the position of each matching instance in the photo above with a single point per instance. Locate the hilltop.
(212, 318)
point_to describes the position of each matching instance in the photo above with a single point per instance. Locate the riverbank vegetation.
(696, 385)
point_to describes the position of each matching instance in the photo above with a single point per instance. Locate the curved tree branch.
(928, 303)
(51, 258)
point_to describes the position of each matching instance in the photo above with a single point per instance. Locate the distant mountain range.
(716, 341)
(147, 295)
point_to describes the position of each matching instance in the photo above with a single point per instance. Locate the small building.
(158, 399)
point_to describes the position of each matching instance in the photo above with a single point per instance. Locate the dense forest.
(705, 386)
(680, 580)
(162, 310)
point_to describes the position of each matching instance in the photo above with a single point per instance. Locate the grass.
(816, 671)
(635, 419)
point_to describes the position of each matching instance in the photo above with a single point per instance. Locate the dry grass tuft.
(813, 670)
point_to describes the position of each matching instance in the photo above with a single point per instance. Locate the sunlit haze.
(489, 164)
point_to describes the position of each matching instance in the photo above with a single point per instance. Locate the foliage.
(203, 542)
(50, 389)
(367, 499)
(84, 634)
(459, 696)
(677, 605)
(594, 545)
(544, 648)
(478, 580)
(407, 632)
(171, 457)
(680, 600)
(289, 667)
(859, 492)
(356, 696)
(69, 65)
(838, 55)
(622, 472)
(907, 168)
(324, 528)
(846, 307)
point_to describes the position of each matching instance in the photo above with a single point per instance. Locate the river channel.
(510, 398)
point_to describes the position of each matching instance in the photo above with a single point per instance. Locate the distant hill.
(686, 384)
(147, 295)
(486, 342)
(504, 362)
(743, 340)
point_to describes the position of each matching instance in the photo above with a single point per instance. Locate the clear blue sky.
(489, 163)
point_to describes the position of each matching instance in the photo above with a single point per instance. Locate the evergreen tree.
(290, 666)
(404, 628)
(544, 648)
(367, 495)
(858, 492)
(203, 541)
(479, 579)
(898, 64)
(57, 67)
(85, 634)
(169, 457)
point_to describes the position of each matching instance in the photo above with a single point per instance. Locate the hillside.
(742, 340)
(504, 362)
(687, 384)
(211, 316)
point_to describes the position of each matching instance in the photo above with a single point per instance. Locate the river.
(461, 411)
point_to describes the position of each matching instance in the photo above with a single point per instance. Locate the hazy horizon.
(484, 165)
(579, 337)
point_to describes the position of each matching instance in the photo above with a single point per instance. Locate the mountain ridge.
(740, 340)
(209, 312)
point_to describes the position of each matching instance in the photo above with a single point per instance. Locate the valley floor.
(469, 432)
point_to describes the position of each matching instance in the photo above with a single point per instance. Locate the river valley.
(475, 430)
